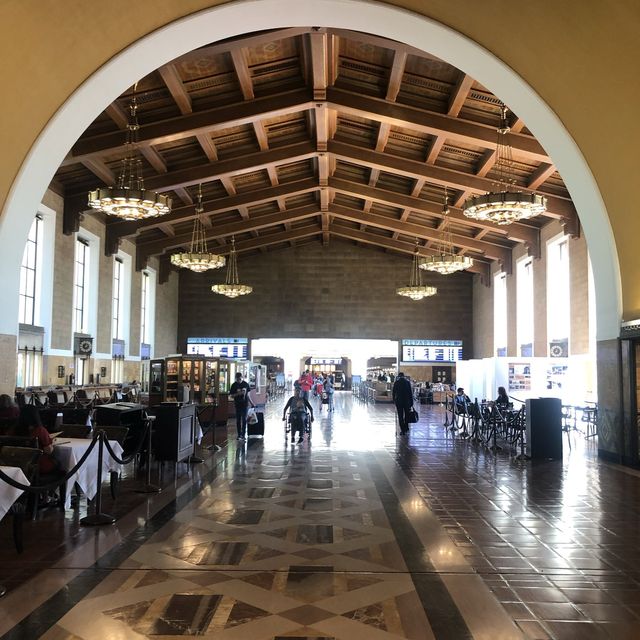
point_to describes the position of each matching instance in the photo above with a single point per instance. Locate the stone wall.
(339, 291)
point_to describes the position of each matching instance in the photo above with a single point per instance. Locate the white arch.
(241, 17)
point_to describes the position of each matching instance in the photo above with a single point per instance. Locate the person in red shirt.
(30, 424)
(306, 382)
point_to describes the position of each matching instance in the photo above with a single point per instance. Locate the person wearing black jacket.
(403, 399)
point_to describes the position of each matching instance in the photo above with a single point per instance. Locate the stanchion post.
(98, 518)
(148, 487)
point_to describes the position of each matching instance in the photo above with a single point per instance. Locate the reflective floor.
(357, 534)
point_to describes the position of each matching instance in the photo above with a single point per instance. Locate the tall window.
(144, 309)
(558, 301)
(525, 306)
(28, 274)
(117, 299)
(81, 282)
(500, 314)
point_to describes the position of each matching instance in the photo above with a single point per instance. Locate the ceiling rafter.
(494, 251)
(189, 125)
(558, 207)
(251, 223)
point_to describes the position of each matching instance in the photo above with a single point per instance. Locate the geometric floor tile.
(211, 553)
(173, 615)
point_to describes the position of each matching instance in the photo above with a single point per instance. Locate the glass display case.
(187, 379)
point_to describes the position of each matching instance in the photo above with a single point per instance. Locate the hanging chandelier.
(504, 205)
(198, 258)
(416, 290)
(129, 200)
(232, 287)
(445, 261)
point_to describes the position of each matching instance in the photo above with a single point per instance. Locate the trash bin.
(544, 428)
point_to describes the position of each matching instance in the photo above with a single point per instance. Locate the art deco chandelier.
(445, 261)
(504, 205)
(198, 258)
(129, 199)
(416, 290)
(232, 287)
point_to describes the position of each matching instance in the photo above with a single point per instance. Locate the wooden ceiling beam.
(184, 195)
(516, 232)
(557, 207)
(118, 115)
(459, 94)
(231, 167)
(122, 229)
(204, 139)
(239, 58)
(408, 248)
(261, 135)
(173, 81)
(396, 74)
(254, 223)
(431, 123)
(154, 159)
(100, 170)
(383, 136)
(496, 252)
(434, 149)
(262, 38)
(540, 175)
(486, 163)
(192, 124)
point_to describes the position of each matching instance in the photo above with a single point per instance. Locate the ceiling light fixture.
(416, 290)
(129, 200)
(232, 287)
(504, 205)
(445, 261)
(198, 258)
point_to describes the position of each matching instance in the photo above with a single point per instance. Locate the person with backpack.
(402, 394)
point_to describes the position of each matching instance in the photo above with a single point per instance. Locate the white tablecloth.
(9, 494)
(69, 450)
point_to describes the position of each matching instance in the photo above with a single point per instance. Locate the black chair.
(75, 431)
(26, 459)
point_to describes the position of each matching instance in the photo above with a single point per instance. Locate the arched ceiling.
(303, 134)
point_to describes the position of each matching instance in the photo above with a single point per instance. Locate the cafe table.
(68, 452)
(9, 494)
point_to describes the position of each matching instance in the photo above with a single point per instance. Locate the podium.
(544, 428)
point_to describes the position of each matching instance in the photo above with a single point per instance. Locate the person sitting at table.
(502, 401)
(30, 425)
(461, 400)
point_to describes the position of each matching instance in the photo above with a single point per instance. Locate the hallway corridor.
(357, 535)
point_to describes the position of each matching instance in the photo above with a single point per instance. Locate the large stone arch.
(236, 18)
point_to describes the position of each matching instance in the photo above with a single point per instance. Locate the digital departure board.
(431, 350)
(234, 348)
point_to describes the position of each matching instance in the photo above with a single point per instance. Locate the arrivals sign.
(234, 348)
(431, 350)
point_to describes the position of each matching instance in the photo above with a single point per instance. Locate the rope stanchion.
(149, 487)
(98, 518)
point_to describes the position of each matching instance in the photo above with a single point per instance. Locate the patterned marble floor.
(356, 534)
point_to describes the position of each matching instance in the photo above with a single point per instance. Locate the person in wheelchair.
(300, 415)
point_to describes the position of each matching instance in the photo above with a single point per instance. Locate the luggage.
(325, 397)
(256, 429)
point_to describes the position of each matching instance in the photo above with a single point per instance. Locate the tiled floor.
(355, 535)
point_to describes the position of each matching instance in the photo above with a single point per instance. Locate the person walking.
(403, 399)
(240, 393)
(328, 389)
